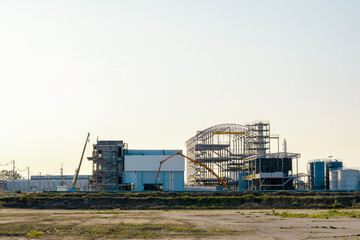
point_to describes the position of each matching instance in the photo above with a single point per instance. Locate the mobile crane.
(77, 170)
(195, 162)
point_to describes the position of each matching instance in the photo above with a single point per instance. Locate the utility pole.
(62, 175)
(28, 170)
(13, 161)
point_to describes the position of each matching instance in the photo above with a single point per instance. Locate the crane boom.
(77, 170)
(195, 162)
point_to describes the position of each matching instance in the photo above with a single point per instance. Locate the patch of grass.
(120, 230)
(325, 215)
(185, 229)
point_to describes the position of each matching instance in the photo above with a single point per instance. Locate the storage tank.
(334, 180)
(300, 186)
(317, 175)
(330, 166)
(348, 179)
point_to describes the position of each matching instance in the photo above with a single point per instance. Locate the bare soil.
(224, 224)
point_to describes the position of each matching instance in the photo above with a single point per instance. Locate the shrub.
(23, 198)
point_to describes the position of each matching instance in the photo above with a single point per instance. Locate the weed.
(336, 204)
(34, 234)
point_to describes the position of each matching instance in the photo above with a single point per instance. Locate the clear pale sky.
(152, 73)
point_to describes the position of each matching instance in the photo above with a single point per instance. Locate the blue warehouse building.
(141, 168)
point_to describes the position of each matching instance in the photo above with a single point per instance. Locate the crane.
(73, 184)
(195, 162)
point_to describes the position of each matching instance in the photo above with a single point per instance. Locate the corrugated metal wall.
(171, 180)
(43, 185)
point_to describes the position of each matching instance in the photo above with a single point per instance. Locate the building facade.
(116, 168)
(142, 167)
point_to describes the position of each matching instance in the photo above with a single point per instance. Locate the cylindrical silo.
(331, 166)
(334, 180)
(319, 176)
(300, 186)
(348, 179)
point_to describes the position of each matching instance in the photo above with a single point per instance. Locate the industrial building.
(241, 156)
(116, 168)
(330, 174)
(141, 168)
(47, 183)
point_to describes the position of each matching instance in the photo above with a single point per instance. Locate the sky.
(152, 73)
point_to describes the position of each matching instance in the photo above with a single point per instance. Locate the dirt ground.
(248, 224)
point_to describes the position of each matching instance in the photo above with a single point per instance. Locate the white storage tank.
(300, 186)
(334, 180)
(348, 179)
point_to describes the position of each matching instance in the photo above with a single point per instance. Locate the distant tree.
(7, 175)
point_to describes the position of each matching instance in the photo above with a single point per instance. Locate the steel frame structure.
(216, 147)
(233, 150)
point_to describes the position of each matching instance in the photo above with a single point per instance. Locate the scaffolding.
(108, 166)
(220, 148)
(240, 155)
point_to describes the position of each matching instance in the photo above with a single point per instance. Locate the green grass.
(120, 230)
(325, 215)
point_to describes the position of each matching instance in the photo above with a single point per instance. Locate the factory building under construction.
(240, 155)
(232, 156)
